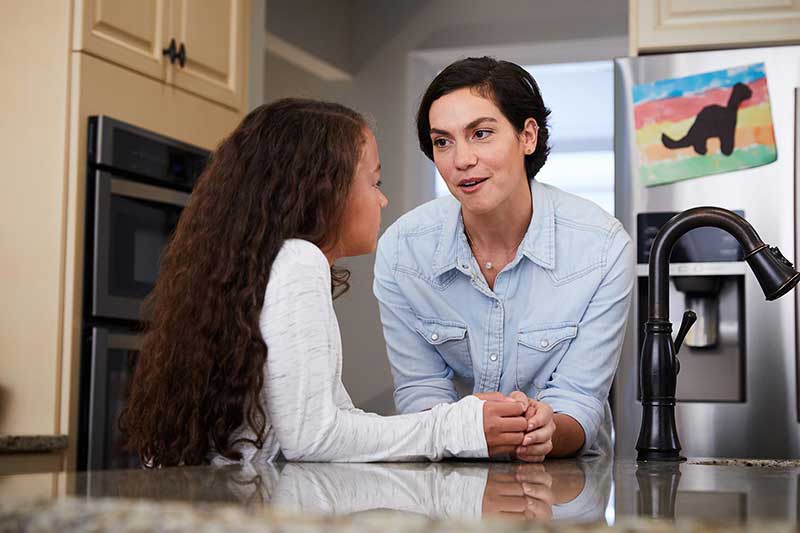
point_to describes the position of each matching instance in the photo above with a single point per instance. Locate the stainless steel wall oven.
(137, 185)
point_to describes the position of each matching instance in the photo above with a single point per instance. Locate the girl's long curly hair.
(285, 172)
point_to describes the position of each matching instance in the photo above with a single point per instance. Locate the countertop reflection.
(598, 491)
(557, 490)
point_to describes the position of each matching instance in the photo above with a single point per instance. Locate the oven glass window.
(139, 231)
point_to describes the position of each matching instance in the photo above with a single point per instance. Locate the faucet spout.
(658, 437)
(754, 249)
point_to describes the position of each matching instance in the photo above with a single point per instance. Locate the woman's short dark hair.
(508, 85)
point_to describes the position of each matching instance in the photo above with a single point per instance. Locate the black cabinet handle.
(172, 52)
(182, 56)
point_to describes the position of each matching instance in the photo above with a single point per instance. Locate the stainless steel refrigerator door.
(797, 239)
(765, 424)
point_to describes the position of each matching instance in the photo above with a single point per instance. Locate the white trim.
(569, 51)
(308, 62)
(418, 189)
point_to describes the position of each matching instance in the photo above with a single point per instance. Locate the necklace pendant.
(488, 265)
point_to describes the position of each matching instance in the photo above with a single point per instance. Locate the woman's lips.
(472, 185)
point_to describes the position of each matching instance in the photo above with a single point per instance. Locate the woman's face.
(478, 151)
(362, 216)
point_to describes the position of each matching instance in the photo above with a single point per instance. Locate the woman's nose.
(464, 157)
(384, 201)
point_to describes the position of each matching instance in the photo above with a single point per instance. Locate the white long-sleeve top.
(310, 416)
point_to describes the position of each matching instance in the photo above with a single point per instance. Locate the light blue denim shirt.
(552, 327)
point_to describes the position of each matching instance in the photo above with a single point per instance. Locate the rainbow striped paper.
(671, 107)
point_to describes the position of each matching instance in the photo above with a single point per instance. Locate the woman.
(508, 283)
(242, 358)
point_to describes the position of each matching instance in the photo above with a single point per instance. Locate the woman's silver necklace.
(488, 265)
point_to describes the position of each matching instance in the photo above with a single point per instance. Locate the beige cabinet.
(667, 25)
(208, 40)
(213, 35)
(46, 99)
(131, 34)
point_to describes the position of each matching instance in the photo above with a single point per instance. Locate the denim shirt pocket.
(539, 351)
(450, 339)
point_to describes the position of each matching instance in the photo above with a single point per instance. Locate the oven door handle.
(124, 341)
(151, 193)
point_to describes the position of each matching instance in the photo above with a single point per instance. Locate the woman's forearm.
(568, 437)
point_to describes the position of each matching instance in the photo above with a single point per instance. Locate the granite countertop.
(32, 443)
(573, 495)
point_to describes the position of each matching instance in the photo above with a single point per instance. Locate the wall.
(396, 48)
(321, 28)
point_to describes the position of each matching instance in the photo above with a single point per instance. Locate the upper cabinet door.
(667, 25)
(130, 33)
(214, 36)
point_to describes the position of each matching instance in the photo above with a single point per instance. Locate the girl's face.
(478, 151)
(362, 217)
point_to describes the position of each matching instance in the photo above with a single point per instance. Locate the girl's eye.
(482, 134)
(440, 142)
(378, 184)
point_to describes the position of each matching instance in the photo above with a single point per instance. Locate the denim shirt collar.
(538, 245)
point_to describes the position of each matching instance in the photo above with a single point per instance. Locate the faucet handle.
(689, 318)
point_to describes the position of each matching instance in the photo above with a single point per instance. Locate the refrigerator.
(715, 128)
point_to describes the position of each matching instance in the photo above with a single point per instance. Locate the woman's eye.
(440, 143)
(378, 184)
(482, 134)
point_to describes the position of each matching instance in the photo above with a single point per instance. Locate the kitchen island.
(583, 495)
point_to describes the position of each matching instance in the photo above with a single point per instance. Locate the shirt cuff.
(463, 428)
(574, 404)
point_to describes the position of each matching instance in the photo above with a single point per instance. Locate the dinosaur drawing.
(713, 121)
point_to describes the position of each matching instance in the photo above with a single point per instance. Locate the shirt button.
(434, 337)
(544, 343)
(493, 357)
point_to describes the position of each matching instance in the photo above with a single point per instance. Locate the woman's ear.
(529, 135)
